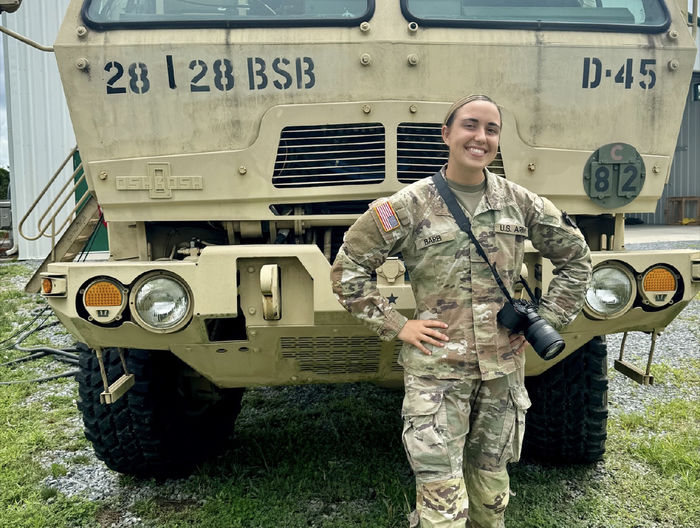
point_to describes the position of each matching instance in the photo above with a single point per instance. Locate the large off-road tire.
(168, 422)
(568, 419)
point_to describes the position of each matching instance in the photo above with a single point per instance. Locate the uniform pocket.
(514, 428)
(424, 419)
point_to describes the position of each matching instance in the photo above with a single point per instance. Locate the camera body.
(521, 316)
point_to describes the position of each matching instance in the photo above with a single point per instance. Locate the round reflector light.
(103, 293)
(104, 299)
(658, 286)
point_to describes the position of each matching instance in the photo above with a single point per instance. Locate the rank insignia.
(387, 216)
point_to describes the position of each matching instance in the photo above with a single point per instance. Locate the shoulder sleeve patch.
(387, 216)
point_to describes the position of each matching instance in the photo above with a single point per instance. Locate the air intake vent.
(421, 152)
(333, 355)
(310, 156)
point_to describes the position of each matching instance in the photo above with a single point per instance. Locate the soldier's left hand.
(519, 341)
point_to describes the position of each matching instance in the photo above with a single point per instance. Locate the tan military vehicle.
(230, 143)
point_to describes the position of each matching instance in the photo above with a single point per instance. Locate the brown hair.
(449, 118)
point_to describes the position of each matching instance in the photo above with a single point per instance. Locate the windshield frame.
(540, 25)
(226, 24)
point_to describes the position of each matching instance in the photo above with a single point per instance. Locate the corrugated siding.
(39, 129)
(684, 179)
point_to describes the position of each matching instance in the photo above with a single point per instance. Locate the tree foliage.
(4, 184)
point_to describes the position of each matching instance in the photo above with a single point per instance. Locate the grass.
(329, 456)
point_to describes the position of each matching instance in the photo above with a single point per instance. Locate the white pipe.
(26, 40)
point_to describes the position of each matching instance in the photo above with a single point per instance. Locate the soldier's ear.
(445, 134)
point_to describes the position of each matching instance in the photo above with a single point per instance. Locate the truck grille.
(322, 155)
(333, 355)
(421, 151)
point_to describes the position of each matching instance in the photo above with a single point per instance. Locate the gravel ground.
(88, 477)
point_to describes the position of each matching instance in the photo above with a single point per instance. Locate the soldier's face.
(473, 136)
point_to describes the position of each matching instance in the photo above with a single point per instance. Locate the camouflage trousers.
(459, 436)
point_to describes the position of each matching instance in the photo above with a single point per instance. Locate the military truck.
(230, 143)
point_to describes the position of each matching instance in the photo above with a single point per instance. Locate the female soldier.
(465, 399)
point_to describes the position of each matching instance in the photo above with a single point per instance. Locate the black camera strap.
(465, 225)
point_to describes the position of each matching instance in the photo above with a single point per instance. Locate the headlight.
(611, 292)
(161, 302)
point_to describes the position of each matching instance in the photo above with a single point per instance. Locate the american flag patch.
(387, 216)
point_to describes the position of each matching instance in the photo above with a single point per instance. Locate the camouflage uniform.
(471, 390)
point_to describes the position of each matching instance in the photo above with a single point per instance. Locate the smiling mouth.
(476, 151)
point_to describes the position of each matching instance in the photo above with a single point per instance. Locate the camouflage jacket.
(450, 281)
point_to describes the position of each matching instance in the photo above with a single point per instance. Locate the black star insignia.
(392, 299)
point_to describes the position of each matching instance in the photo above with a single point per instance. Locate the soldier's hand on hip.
(518, 341)
(417, 331)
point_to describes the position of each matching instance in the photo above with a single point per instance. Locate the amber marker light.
(103, 293)
(658, 285)
(53, 286)
(659, 280)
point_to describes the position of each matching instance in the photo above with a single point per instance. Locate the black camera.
(521, 316)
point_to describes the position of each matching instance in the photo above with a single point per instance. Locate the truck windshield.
(128, 14)
(645, 16)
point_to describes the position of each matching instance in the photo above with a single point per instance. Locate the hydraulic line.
(68, 355)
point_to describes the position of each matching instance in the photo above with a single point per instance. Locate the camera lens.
(544, 339)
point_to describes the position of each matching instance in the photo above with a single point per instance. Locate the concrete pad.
(637, 234)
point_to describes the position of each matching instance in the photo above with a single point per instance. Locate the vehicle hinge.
(632, 371)
(117, 389)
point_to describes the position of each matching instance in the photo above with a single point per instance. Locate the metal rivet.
(412, 27)
(251, 269)
(82, 63)
(365, 59)
(673, 34)
(364, 27)
(102, 175)
(253, 333)
(531, 167)
(656, 169)
(251, 310)
(366, 108)
(221, 350)
(81, 31)
(413, 109)
(413, 59)
(673, 64)
(242, 170)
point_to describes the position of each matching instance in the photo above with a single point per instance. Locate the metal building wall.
(684, 179)
(39, 128)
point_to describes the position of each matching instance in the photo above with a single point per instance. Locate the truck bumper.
(231, 339)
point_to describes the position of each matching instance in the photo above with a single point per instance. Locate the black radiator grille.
(321, 155)
(421, 151)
